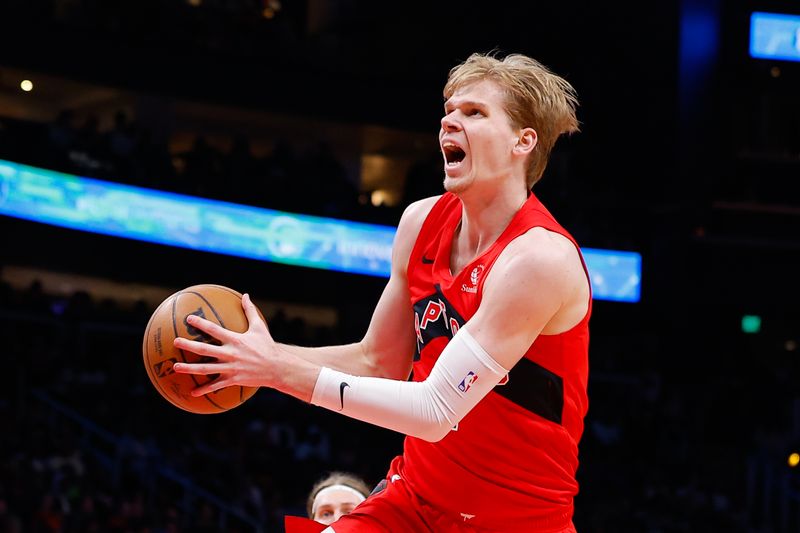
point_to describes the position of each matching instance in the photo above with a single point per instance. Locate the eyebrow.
(464, 103)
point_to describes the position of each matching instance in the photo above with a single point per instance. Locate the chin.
(455, 185)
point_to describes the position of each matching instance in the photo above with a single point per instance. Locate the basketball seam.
(150, 374)
(175, 331)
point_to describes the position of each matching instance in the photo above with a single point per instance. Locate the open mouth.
(453, 154)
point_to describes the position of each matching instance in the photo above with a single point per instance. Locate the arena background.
(689, 155)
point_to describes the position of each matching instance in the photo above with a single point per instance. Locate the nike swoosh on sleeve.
(343, 385)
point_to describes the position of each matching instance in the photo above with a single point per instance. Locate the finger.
(206, 326)
(202, 369)
(209, 387)
(200, 348)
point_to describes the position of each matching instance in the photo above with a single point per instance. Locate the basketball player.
(488, 303)
(334, 496)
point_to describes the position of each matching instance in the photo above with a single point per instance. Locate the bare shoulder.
(416, 212)
(408, 229)
(540, 249)
(412, 219)
(549, 265)
(536, 287)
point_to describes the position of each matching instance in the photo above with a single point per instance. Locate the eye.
(474, 111)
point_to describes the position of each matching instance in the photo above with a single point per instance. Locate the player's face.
(333, 504)
(476, 137)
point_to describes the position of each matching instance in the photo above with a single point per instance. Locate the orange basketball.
(213, 302)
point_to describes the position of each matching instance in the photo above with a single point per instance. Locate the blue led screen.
(775, 36)
(221, 227)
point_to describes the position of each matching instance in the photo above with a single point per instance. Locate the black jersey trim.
(533, 387)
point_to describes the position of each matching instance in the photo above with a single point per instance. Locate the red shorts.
(393, 508)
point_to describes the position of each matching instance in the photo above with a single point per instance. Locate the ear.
(526, 141)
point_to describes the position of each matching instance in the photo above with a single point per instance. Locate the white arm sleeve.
(461, 377)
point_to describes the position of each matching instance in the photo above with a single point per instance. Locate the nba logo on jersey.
(467, 382)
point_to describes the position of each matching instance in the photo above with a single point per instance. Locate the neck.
(485, 216)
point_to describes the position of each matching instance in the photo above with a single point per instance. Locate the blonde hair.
(535, 98)
(335, 478)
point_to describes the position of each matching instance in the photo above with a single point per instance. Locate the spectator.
(335, 495)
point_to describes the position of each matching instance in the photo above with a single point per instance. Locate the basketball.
(216, 303)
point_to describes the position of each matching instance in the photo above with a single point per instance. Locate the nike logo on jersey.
(426, 261)
(343, 385)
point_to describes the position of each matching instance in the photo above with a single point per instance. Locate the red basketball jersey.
(511, 462)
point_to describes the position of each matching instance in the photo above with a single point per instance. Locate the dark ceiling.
(350, 60)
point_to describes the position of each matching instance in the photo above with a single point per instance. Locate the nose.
(449, 124)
